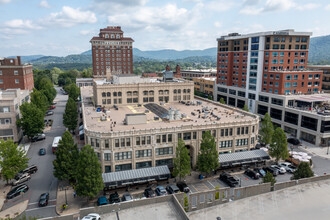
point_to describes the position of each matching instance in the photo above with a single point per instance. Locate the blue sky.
(59, 27)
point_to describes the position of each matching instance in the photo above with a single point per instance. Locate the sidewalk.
(74, 204)
(314, 150)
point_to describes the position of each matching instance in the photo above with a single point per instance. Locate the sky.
(63, 27)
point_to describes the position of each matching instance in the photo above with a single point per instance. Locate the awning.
(244, 157)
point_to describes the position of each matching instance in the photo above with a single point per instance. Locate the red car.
(51, 107)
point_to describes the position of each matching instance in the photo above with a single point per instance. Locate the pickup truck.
(229, 179)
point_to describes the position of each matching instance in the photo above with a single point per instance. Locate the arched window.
(114, 93)
(188, 90)
(129, 93)
(151, 92)
(179, 91)
(108, 94)
(175, 91)
(166, 92)
(184, 91)
(160, 92)
(119, 93)
(103, 94)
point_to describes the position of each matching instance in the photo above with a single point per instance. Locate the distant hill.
(319, 50)
(77, 58)
(27, 59)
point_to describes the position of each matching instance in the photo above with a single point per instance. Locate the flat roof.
(314, 98)
(135, 174)
(244, 156)
(93, 122)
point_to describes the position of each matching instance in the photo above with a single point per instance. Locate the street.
(43, 180)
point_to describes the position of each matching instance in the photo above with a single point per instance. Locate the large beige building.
(145, 134)
(10, 100)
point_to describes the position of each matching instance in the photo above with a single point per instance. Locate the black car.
(43, 200)
(228, 179)
(293, 141)
(260, 171)
(38, 137)
(149, 193)
(17, 191)
(127, 197)
(171, 189)
(252, 174)
(42, 151)
(114, 198)
(183, 187)
(49, 113)
(30, 170)
(271, 170)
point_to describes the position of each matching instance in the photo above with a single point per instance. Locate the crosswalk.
(34, 205)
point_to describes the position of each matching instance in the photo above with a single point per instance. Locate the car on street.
(294, 141)
(39, 137)
(42, 151)
(54, 103)
(228, 179)
(281, 170)
(172, 189)
(271, 170)
(149, 193)
(92, 216)
(51, 107)
(183, 187)
(127, 197)
(161, 191)
(49, 112)
(260, 171)
(114, 198)
(31, 169)
(17, 190)
(102, 201)
(21, 178)
(43, 200)
(252, 174)
(288, 167)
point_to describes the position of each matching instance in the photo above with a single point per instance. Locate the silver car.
(288, 167)
(21, 178)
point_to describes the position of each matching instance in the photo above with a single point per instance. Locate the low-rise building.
(326, 75)
(10, 101)
(145, 132)
(205, 85)
(80, 82)
(191, 74)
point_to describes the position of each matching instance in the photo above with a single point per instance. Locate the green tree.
(13, 159)
(40, 100)
(181, 163)
(222, 101)
(303, 171)
(32, 120)
(279, 146)
(55, 72)
(87, 73)
(246, 108)
(208, 158)
(269, 178)
(186, 203)
(72, 90)
(47, 87)
(65, 164)
(266, 130)
(89, 174)
(70, 117)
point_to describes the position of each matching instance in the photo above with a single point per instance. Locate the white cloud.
(327, 7)
(219, 5)
(4, 1)
(44, 4)
(217, 24)
(20, 24)
(250, 2)
(250, 10)
(69, 17)
(88, 32)
(114, 6)
(279, 5)
(309, 6)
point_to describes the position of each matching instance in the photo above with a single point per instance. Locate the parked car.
(127, 197)
(271, 170)
(21, 178)
(288, 167)
(281, 170)
(260, 171)
(252, 174)
(17, 191)
(38, 137)
(42, 151)
(92, 216)
(54, 103)
(171, 189)
(30, 170)
(149, 193)
(51, 107)
(49, 112)
(229, 179)
(102, 201)
(43, 200)
(161, 191)
(114, 198)
(294, 141)
(183, 187)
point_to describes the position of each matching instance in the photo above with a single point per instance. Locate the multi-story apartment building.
(10, 100)
(268, 72)
(143, 129)
(112, 52)
(14, 74)
(326, 76)
(205, 85)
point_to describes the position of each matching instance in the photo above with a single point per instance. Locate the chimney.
(19, 60)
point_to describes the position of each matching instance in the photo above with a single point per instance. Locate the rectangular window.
(148, 139)
(277, 101)
(123, 155)
(238, 131)
(143, 153)
(143, 140)
(128, 142)
(107, 156)
(137, 141)
(164, 138)
(16, 81)
(287, 85)
(15, 72)
(164, 151)
(158, 139)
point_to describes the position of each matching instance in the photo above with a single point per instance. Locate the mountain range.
(318, 54)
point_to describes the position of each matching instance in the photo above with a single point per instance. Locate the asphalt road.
(43, 180)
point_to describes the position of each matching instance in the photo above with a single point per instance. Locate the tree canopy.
(266, 130)
(32, 120)
(181, 163)
(246, 108)
(13, 159)
(222, 101)
(72, 90)
(269, 178)
(39, 99)
(89, 174)
(70, 117)
(279, 146)
(208, 158)
(303, 171)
